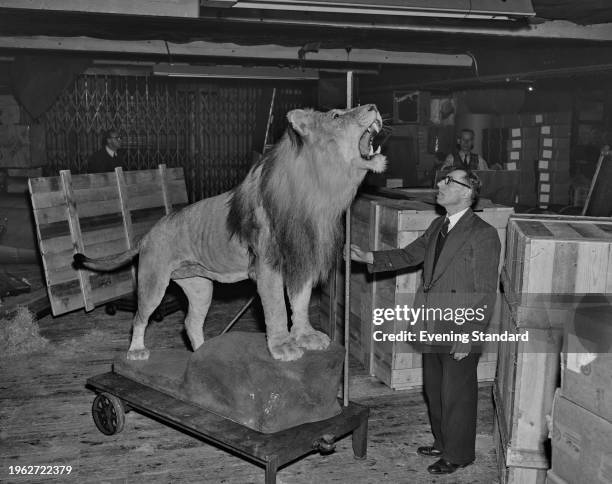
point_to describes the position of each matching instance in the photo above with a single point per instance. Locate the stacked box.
(581, 444)
(522, 153)
(582, 409)
(552, 263)
(533, 144)
(554, 164)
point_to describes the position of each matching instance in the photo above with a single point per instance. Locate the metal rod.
(347, 263)
(238, 314)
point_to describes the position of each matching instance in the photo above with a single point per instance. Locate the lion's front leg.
(281, 343)
(305, 335)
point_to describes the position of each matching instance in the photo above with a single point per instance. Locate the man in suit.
(464, 158)
(107, 157)
(460, 256)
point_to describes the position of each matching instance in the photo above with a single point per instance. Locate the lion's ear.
(299, 121)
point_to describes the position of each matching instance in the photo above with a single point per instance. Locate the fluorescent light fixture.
(235, 72)
(466, 9)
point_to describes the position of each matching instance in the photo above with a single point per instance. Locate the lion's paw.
(142, 354)
(285, 349)
(315, 340)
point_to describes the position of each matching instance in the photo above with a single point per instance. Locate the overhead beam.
(166, 8)
(229, 50)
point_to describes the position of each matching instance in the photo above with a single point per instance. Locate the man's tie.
(441, 240)
(466, 162)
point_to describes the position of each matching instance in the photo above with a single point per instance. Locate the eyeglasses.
(448, 179)
(115, 137)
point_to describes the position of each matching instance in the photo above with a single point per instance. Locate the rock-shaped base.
(234, 376)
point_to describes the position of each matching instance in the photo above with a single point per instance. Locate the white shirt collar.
(110, 152)
(453, 219)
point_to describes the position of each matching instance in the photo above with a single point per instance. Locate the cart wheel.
(108, 414)
(110, 309)
(157, 316)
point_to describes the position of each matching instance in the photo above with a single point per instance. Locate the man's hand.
(460, 350)
(359, 255)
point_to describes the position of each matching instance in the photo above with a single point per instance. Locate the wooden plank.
(149, 215)
(53, 199)
(589, 276)
(75, 233)
(164, 188)
(152, 199)
(87, 210)
(124, 200)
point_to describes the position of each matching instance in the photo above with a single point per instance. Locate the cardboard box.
(554, 154)
(554, 177)
(563, 117)
(581, 443)
(586, 376)
(524, 132)
(523, 143)
(548, 142)
(553, 165)
(556, 130)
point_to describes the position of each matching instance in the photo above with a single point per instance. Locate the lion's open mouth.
(366, 146)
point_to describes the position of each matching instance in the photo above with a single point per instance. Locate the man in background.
(464, 158)
(107, 157)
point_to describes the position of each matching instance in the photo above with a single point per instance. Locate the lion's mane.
(303, 194)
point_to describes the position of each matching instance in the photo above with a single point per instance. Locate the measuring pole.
(347, 263)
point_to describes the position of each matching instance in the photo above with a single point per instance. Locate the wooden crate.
(552, 262)
(586, 375)
(380, 223)
(361, 290)
(514, 474)
(581, 443)
(100, 215)
(527, 376)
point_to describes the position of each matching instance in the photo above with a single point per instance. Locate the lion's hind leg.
(305, 335)
(151, 290)
(199, 292)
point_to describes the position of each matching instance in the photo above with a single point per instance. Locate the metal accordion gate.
(206, 127)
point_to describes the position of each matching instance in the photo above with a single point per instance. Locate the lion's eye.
(336, 115)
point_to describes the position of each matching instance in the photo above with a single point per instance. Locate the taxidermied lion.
(281, 225)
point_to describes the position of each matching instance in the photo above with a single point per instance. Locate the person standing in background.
(464, 158)
(107, 157)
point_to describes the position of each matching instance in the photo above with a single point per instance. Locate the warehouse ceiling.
(566, 39)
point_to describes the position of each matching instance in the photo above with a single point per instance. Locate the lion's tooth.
(377, 152)
(371, 151)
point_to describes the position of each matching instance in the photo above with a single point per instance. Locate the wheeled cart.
(117, 394)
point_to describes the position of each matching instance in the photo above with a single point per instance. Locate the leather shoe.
(443, 466)
(429, 451)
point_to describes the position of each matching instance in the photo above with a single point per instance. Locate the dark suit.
(465, 276)
(101, 162)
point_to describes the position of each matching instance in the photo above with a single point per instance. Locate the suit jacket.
(465, 277)
(102, 162)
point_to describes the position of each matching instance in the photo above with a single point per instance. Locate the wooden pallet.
(99, 215)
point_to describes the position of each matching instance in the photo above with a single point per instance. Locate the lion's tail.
(105, 263)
